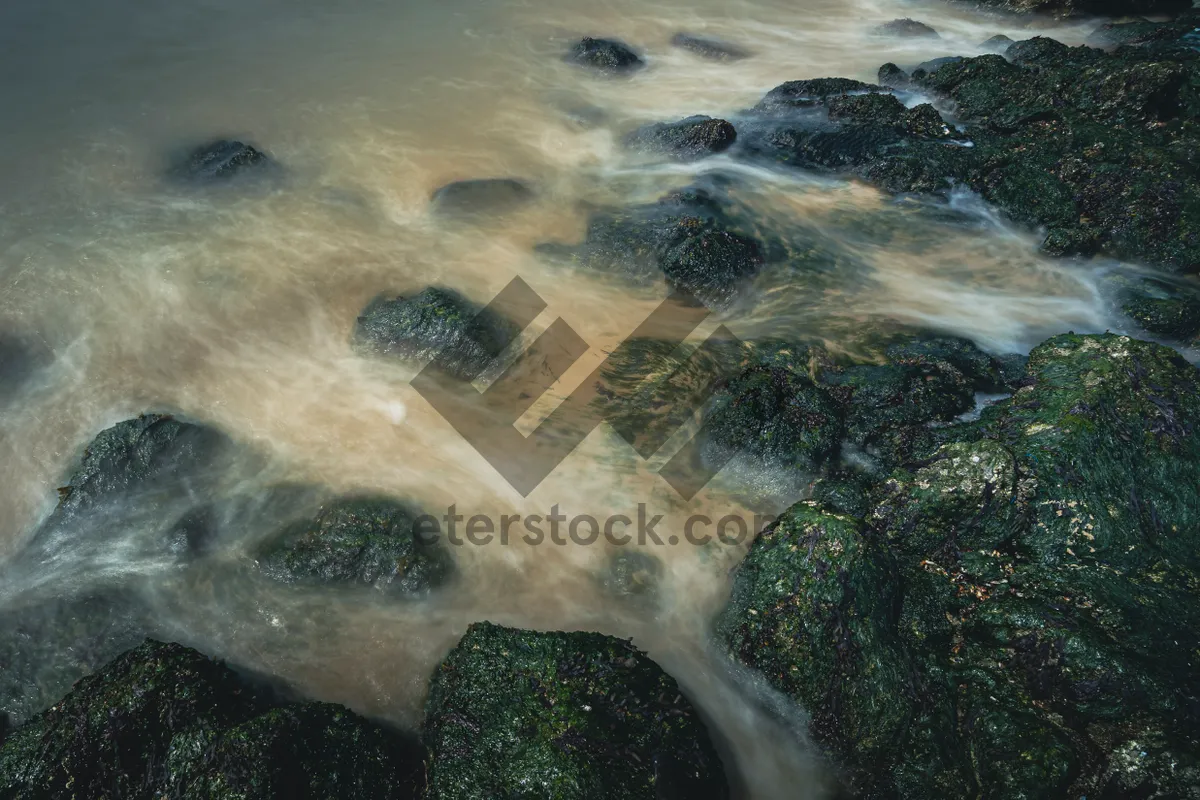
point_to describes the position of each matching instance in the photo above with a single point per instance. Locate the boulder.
(712, 49)
(608, 56)
(808, 93)
(481, 197)
(221, 160)
(358, 540)
(996, 44)
(1164, 308)
(687, 238)
(564, 715)
(20, 361)
(687, 140)
(633, 575)
(436, 322)
(1009, 611)
(906, 29)
(165, 721)
(1077, 8)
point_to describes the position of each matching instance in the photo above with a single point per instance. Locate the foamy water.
(235, 306)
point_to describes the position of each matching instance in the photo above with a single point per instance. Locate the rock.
(892, 77)
(222, 160)
(165, 721)
(927, 67)
(777, 416)
(20, 361)
(48, 644)
(906, 29)
(687, 237)
(712, 49)
(1007, 613)
(605, 55)
(438, 323)
(687, 140)
(156, 457)
(808, 93)
(481, 197)
(564, 715)
(997, 44)
(358, 540)
(633, 575)
(1073, 8)
(1171, 310)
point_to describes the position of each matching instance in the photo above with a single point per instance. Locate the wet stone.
(608, 56)
(565, 715)
(687, 140)
(437, 322)
(996, 44)
(221, 160)
(633, 575)
(482, 197)
(712, 49)
(906, 29)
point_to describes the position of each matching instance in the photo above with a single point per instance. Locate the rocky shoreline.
(1000, 607)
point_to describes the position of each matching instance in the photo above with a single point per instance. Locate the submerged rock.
(439, 323)
(1170, 310)
(686, 237)
(358, 540)
(996, 44)
(713, 49)
(564, 715)
(221, 160)
(633, 575)
(165, 721)
(906, 29)
(1011, 612)
(20, 360)
(605, 55)
(485, 196)
(687, 140)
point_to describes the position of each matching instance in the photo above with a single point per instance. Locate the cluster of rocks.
(995, 607)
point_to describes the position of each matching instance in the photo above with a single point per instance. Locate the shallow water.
(235, 305)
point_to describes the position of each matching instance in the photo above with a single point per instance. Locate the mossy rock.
(515, 713)
(436, 324)
(368, 541)
(165, 721)
(686, 140)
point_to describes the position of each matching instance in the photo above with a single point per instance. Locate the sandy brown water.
(236, 307)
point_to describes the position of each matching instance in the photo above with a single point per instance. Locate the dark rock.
(633, 575)
(221, 160)
(1163, 308)
(927, 67)
(687, 237)
(1078, 8)
(893, 77)
(165, 721)
(435, 323)
(1009, 612)
(565, 715)
(155, 457)
(713, 49)
(809, 93)
(20, 360)
(482, 197)
(778, 417)
(687, 140)
(997, 44)
(47, 645)
(906, 29)
(360, 540)
(605, 55)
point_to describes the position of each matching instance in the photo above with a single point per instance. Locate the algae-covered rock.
(439, 323)
(687, 238)
(608, 56)
(633, 575)
(1164, 308)
(516, 713)
(906, 29)
(358, 540)
(1072, 8)
(1043, 624)
(165, 721)
(687, 140)
(221, 160)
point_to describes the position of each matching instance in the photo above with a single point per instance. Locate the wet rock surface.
(608, 56)
(1010, 612)
(1071, 8)
(165, 721)
(712, 49)
(687, 238)
(906, 29)
(687, 140)
(366, 541)
(221, 160)
(439, 323)
(564, 715)
(481, 197)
